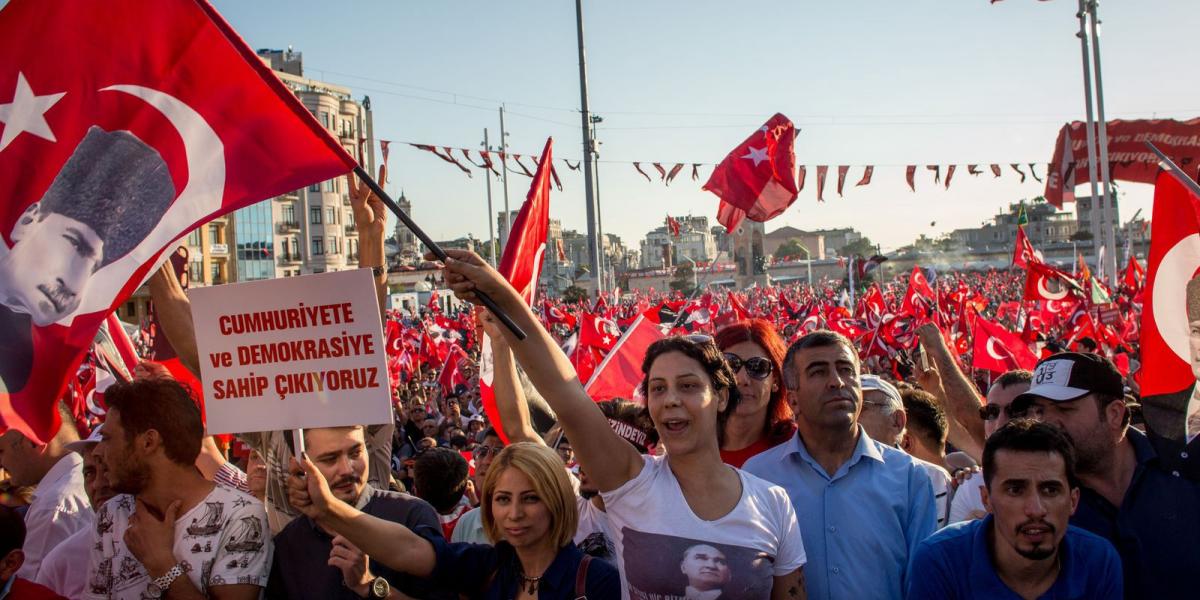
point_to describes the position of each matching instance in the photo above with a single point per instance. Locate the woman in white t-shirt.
(661, 508)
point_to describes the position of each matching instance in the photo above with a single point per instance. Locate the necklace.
(530, 584)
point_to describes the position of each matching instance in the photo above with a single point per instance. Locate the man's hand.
(370, 214)
(931, 381)
(353, 564)
(151, 540)
(308, 492)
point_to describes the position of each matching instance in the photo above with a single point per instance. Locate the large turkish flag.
(126, 124)
(1174, 259)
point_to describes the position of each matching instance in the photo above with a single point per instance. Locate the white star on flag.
(26, 113)
(757, 155)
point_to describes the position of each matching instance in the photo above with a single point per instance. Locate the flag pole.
(1172, 168)
(434, 248)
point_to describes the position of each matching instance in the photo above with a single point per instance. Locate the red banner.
(1128, 157)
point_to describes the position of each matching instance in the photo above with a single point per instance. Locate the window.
(324, 116)
(130, 309)
(331, 215)
(193, 238)
(318, 246)
(334, 246)
(215, 271)
(214, 232)
(314, 215)
(196, 271)
(314, 188)
(330, 185)
(296, 248)
(288, 213)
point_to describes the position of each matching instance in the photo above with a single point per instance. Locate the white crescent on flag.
(1178, 266)
(201, 196)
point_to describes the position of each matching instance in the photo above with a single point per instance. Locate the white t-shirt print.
(666, 552)
(223, 540)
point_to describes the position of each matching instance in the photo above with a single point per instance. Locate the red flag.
(619, 375)
(758, 178)
(556, 315)
(998, 349)
(866, 176)
(562, 251)
(842, 171)
(130, 154)
(1135, 274)
(1173, 261)
(451, 375)
(949, 175)
(996, 170)
(521, 263)
(919, 300)
(1023, 252)
(822, 170)
(598, 332)
(910, 175)
(1043, 282)
(672, 226)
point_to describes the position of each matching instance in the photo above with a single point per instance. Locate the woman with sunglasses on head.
(763, 418)
(658, 506)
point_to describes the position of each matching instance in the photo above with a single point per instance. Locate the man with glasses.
(1150, 515)
(968, 501)
(470, 525)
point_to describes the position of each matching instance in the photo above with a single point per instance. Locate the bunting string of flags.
(668, 171)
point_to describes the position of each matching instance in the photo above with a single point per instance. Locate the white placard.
(290, 353)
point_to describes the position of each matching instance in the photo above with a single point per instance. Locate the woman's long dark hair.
(780, 422)
(710, 358)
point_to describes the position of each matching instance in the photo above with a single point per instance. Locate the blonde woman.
(528, 513)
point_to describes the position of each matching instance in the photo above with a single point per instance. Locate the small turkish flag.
(1043, 282)
(598, 332)
(620, 374)
(1173, 261)
(1023, 252)
(126, 124)
(998, 349)
(757, 180)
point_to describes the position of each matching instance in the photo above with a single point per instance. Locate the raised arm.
(370, 219)
(510, 398)
(175, 315)
(388, 542)
(609, 460)
(958, 395)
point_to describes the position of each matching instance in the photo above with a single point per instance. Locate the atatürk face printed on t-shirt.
(664, 567)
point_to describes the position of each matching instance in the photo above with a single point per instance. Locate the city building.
(695, 244)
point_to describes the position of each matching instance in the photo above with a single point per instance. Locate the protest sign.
(292, 353)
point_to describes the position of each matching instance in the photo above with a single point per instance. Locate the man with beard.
(170, 533)
(60, 569)
(312, 563)
(1024, 547)
(1151, 516)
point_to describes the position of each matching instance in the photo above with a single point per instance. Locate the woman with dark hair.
(658, 505)
(763, 418)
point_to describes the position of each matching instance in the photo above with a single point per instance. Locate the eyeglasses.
(991, 412)
(484, 451)
(756, 366)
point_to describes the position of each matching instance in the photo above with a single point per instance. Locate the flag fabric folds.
(133, 153)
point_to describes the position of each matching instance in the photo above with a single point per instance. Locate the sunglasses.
(991, 412)
(757, 367)
(484, 451)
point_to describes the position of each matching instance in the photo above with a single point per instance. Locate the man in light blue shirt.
(863, 507)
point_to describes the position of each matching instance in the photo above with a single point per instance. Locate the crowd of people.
(768, 455)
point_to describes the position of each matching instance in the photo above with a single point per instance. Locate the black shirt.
(301, 570)
(16, 349)
(483, 572)
(1155, 530)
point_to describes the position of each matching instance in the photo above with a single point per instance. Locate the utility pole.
(1093, 163)
(604, 267)
(504, 178)
(585, 116)
(1109, 217)
(487, 177)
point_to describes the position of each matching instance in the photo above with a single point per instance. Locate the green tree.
(1081, 235)
(791, 250)
(682, 281)
(862, 246)
(574, 294)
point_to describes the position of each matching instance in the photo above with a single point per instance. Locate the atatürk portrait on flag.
(108, 196)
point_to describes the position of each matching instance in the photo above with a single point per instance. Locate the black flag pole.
(434, 248)
(1169, 166)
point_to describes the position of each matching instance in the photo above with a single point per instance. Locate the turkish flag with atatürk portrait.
(125, 124)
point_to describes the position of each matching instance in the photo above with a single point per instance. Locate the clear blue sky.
(868, 82)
